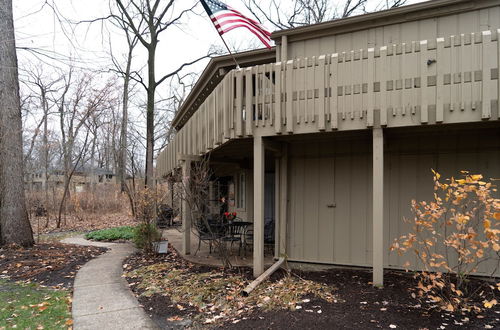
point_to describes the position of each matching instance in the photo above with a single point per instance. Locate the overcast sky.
(38, 27)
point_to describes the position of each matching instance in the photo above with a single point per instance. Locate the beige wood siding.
(339, 172)
(330, 198)
(426, 29)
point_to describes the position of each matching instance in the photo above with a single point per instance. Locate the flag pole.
(229, 50)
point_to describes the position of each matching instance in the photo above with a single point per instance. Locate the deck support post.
(378, 207)
(280, 200)
(284, 49)
(186, 214)
(258, 200)
(283, 199)
(277, 193)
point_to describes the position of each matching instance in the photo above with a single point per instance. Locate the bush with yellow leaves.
(454, 237)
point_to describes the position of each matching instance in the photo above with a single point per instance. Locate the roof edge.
(374, 18)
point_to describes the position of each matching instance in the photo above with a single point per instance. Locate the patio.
(203, 256)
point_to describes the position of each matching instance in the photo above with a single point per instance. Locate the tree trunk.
(45, 151)
(150, 115)
(14, 224)
(122, 157)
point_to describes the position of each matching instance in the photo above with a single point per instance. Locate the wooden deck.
(441, 81)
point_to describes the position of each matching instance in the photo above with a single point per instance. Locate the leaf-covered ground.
(30, 306)
(51, 264)
(210, 296)
(176, 293)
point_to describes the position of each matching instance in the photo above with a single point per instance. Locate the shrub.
(146, 232)
(112, 234)
(144, 236)
(452, 236)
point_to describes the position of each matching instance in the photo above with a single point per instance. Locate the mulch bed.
(359, 304)
(50, 264)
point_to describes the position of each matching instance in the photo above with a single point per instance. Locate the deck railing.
(446, 80)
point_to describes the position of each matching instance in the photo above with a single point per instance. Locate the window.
(242, 189)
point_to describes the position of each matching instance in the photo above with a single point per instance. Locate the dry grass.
(105, 207)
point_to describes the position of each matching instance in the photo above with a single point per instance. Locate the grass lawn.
(29, 306)
(112, 234)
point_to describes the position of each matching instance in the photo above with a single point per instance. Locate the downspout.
(262, 277)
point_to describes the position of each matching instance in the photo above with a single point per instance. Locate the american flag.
(226, 19)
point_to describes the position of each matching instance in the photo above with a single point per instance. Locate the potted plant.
(229, 216)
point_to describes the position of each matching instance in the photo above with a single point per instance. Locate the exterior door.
(311, 209)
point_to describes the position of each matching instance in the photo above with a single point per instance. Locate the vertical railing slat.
(352, 70)
(260, 97)
(270, 92)
(334, 76)
(486, 75)
(383, 85)
(440, 60)
(462, 72)
(473, 83)
(248, 102)
(214, 115)
(405, 103)
(370, 80)
(277, 106)
(424, 108)
(289, 96)
(320, 78)
(453, 74)
(225, 109)
(300, 88)
(239, 103)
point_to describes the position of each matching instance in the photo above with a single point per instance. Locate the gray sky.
(37, 27)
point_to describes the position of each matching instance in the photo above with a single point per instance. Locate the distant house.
(80, 181)
(333, 132)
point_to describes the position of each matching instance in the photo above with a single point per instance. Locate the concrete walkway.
(101, 296)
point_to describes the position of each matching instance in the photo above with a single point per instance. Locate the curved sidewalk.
(101, 296)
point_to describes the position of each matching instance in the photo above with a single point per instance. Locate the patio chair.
(269, 231)
(248, 240)
(207, 235)
(234, 233)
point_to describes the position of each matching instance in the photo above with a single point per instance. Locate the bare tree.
(147, 19)
(305, 12)
(14, 224)
(75, 111)
(122, 154)
(195, 191)
(44, 87)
